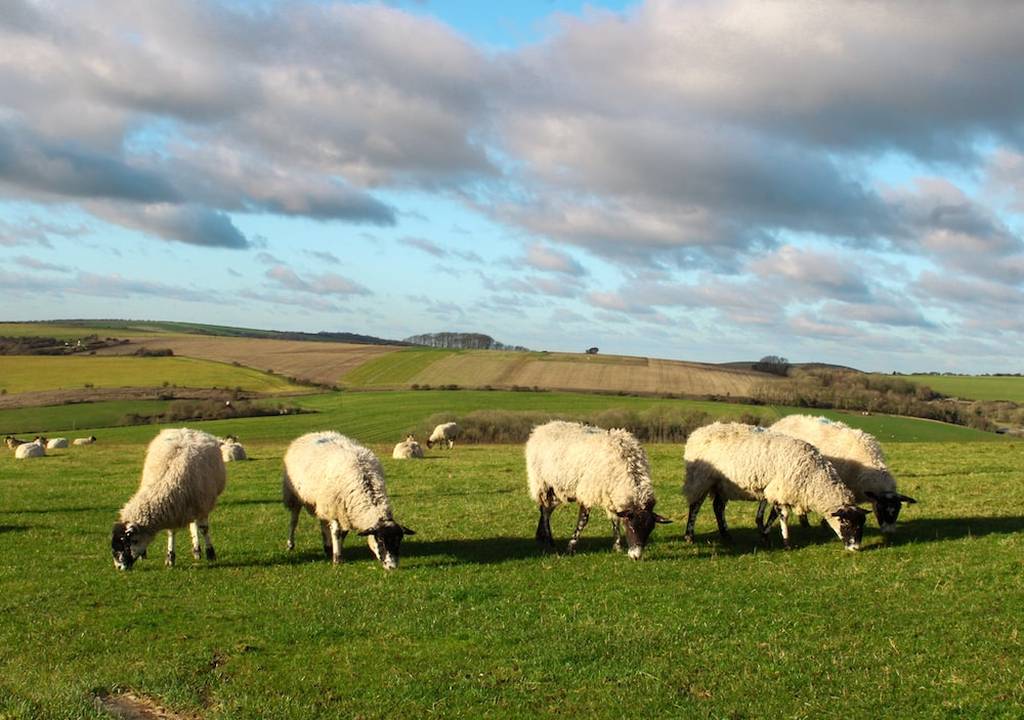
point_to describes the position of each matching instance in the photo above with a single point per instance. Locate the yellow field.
(29, 373)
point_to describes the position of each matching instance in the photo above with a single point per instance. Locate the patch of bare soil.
(42, 398)
(132, 706)
(322, 362)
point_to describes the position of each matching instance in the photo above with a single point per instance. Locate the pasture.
(478, 623)
(974, 387)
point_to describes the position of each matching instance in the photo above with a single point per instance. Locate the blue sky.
(711, 181)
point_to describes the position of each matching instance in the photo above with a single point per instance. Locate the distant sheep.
(84, 441)
(857, 457)
(570, 462)
(13, 442)
(444, 433)
(182, 477)
(408, 449)
(36, 448)
(56, 443)
(733, 461)
(232, 450)
(342, 484)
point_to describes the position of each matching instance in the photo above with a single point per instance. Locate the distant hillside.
(461, 341)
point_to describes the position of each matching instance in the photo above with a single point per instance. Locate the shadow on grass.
(939, 529)
(13, 528)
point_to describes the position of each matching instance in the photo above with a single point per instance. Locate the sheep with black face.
(341, 483)
(182, 477)
(444, 434)
(571, 462)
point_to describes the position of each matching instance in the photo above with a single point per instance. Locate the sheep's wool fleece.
(745, 462)
(855, 454)
(445, 431)
(83, 441)
(585, 464)
(28, 450)
(406, 450)
(232, 451)
(181, 479)
(56, 443)
(336, 478)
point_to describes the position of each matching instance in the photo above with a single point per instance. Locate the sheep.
(56, 443)
(182, 477)
(733, 461)
(13, 442)
(341, 483)
(571, 462)
(231, 449)
(84, 441)
(407, 449)
(859, 460)
(444, 433)
(36, 448)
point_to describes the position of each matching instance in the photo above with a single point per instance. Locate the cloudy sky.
(689, 179)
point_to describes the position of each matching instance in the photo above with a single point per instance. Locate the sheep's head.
(848, 524)
(430, 442)
(639, 526)
(128, 543)
(887, 508)
(384, 540)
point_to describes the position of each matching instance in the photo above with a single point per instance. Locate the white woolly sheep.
(182, 477)
(733, 461)
(36, 448)
(408, 449)
(56, 443)
(341, 483)
(84, 441)
(570, 462)
(858, 458)
(444, 433)
(231, 450)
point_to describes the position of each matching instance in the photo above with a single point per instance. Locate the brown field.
(322, 362)
(565, 371)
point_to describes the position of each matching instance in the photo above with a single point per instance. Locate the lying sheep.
(36, 448)
(857, 457)
(733, 461)
(444, 433)
(182, 477)
(231, 449)
(570, 462)
(13, 442)
(84, 441)
(56, 443)
(408, 449)
(341, 483)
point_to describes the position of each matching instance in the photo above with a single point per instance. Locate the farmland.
(478, 623)
(973, 387)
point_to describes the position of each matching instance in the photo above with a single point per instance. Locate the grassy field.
(72, 417)
(478, 623)
(67, 332)
(25, 373)
(974, 387)
(394, 369)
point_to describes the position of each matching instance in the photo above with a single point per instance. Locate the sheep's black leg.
(692, 519)
(170, 548)
(764, 527)
(291, 528)
(617, 535)
(803, 521)
(204, 528)
(718, 503)
(543, 535)
(581, 522)
(325, 535)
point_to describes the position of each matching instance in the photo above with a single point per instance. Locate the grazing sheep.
(733, 461)
(857, 457)
(84, 441)
(56, 443)
(408, 449)
(182, 477)
(444, 433)
(571, 462)
(231, 449)
(36, 448)
(341, 483)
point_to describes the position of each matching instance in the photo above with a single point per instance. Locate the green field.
(25, 373)
(78, 415)
(478, 623)
(974, 387)
(394, 369)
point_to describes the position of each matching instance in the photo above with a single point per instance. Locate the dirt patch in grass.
(132, 706)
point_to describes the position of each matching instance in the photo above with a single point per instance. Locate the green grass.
(23, 373)
(395, 368)
(75, 416)
(66, 331)
(973, 387)
(477, 623)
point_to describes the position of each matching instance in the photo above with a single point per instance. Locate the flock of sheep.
(24, 449)
(798, 465)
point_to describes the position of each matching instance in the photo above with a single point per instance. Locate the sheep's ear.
(623, 514)
(837, 513)
(364, 533)
(871, 495)
(908, 500)
(407, 531)
(661, 520)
